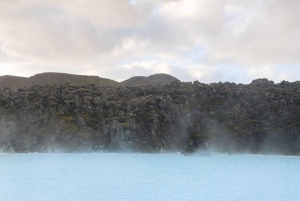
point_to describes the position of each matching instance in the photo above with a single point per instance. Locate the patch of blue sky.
(231, 72)
(194, 56)
(292, 72)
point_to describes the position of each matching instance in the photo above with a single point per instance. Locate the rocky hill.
(261, 117)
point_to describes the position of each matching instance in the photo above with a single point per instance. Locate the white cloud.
(151, 36)
(116, 13)
(152, 66)
(266, 71)
(204, 73)
(180, 9)
(282, 76)
(269, 72)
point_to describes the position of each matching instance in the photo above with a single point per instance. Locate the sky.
(204, 40)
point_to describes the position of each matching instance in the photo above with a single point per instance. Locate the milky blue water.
(145, 177)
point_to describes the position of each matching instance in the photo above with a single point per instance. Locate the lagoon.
(147, 177)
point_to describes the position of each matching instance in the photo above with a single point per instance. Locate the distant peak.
(154, 79)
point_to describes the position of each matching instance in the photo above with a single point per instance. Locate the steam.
(7, 132)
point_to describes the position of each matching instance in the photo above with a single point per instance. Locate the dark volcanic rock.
(261, 117)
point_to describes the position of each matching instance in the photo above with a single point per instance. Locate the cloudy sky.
(205, 40)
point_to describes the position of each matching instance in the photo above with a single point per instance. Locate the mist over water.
(64, 177)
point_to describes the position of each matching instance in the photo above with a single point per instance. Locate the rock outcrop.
(261, 117)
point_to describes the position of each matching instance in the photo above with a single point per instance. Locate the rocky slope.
(261, 117)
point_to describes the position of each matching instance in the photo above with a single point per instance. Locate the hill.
(50, 78)
(62, 78)
(11, 81)
(150, 80)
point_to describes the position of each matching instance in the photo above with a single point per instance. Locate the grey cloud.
(42, 35)
(108, 13)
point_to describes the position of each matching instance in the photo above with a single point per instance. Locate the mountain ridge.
(52, 78)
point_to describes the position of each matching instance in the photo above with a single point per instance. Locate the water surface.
(147, 177)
